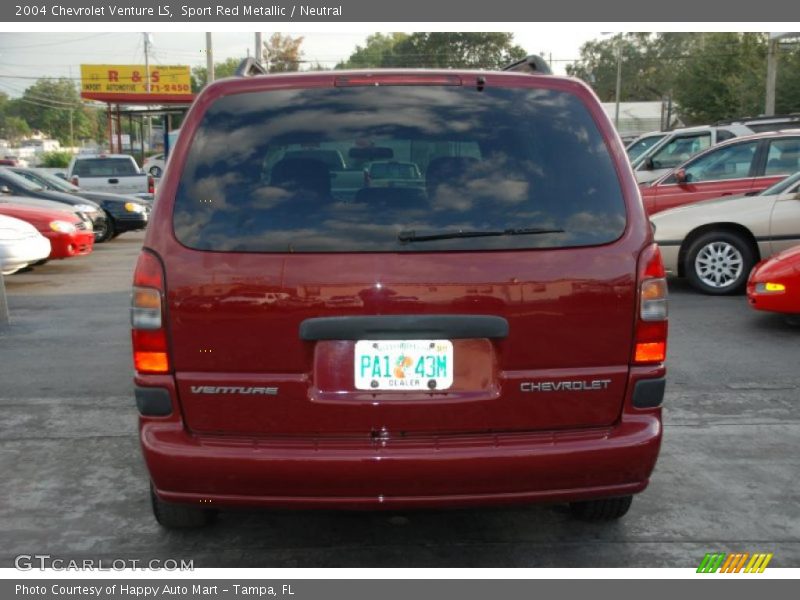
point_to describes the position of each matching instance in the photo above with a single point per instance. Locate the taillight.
(147, 316)
(74, 180)
(151, 184)
(651, 321)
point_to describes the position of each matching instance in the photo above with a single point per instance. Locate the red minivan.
(494, 336)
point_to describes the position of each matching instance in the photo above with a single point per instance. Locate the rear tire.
(604, 509)
(179, 516)
(718, 263)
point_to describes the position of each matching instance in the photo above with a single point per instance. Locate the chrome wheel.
(719, 264)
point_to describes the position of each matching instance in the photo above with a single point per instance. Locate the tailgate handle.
(404, 327)
(113, 180)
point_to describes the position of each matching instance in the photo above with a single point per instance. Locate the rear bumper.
(419, 471)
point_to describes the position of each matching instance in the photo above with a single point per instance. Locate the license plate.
(403, 365)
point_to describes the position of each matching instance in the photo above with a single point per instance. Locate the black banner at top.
(441, 11)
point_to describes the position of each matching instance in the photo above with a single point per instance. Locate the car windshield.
(48, 180)
(10, 177)
(491, 160)
(638, 147)
(782, 186)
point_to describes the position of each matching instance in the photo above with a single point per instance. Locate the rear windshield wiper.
(411, 236)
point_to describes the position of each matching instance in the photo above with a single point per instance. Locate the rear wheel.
(179, 516)
(604, 509)
(719, 262)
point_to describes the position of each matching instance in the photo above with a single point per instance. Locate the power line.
(88, 37)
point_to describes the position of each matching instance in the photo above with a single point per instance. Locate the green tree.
(651, 64)
(724, 78)
(378, 47)
(54, 107)
(282, 53)
(13, 128)
(465, 50)
(56, 159)
(222, 69)
(711, 76)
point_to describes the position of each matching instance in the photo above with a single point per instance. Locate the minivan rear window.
(502, 168)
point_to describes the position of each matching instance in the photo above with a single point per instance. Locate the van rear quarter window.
(287, 171)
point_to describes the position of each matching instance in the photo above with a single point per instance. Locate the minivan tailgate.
(247, 370)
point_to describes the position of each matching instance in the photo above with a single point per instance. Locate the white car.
(20, 245)
(666, 151)
(715, 243)
(154, 165)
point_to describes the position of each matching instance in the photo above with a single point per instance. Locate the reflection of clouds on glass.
(599, 225)
(518, 158)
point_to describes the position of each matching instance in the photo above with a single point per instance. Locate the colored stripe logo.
(740, 562)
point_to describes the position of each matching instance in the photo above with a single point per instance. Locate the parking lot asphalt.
(75, 487)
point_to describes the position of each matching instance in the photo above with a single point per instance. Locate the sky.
(57, 54)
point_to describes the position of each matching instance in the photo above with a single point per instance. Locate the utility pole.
(147, 40)
(772, 76)
(146, 62)
(3, 302)
(209, 59)
(619, 81)
(259, 48)
(71, 132)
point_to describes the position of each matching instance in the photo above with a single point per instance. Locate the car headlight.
(62, 226)
(134, 207)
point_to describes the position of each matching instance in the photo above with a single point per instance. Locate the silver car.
(715, 243)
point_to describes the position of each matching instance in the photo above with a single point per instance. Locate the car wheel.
(106, 232)
(604, 509)
(155, 171)
(179, 516)
(719, 263)
(111, 229)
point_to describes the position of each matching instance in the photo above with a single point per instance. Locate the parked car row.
(728, 217)
(66, 220)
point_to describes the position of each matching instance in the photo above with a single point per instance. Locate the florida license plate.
(403, 365)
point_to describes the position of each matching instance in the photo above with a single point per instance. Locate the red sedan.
(68, 235)
(774, 284)
(739, 167)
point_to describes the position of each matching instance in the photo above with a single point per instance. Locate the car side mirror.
(4, 189)
(680, 176)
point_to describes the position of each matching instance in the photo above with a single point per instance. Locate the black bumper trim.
(649, 393)
(404, 327)
(153, 401)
